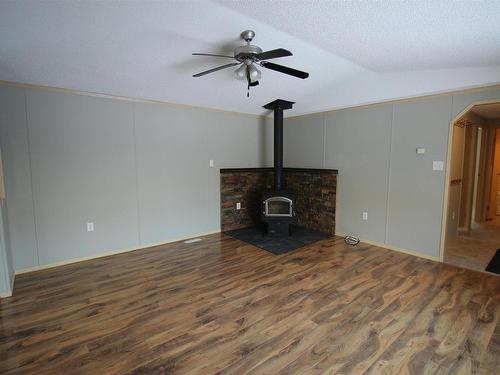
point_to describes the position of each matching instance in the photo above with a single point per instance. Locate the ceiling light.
(254, 73)
(241, 72)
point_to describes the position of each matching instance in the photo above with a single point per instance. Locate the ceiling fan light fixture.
(248, 57)
(254, 73)
(241, 73)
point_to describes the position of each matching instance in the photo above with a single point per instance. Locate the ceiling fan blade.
(284, 69)
(280, 52)
(215, 69)
(210, 54)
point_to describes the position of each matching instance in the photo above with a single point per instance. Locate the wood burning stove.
(277, 212)
(277, 205)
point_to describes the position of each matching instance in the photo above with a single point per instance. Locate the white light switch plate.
(90, 227)
(211, 163)
(238, 206)
(437, 165)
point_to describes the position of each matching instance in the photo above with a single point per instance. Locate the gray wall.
(139, 171)
(9, 112)
(17, 176)
(374, 148)
(6, 262)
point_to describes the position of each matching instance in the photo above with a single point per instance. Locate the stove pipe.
(278, 106)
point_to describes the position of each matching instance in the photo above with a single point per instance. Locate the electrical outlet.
(365, 215)
(437, 165)
(90, 227)
(211, 163)
(238, 206)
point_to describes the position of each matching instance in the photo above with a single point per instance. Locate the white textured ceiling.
(489, 111)
(355, 52)
(388, 36)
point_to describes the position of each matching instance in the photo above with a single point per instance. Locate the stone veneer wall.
(245, 186)
(315, 195)
(314, 191)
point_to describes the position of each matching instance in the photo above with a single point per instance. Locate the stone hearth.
(314, 191)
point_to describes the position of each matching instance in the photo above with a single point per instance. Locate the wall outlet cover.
(90, 227)
(437, 165)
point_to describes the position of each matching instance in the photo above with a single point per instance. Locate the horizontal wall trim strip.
(118, 97)
(466, 90)
(394, 248)
(141, 100)
(270, 169)
(110, 253)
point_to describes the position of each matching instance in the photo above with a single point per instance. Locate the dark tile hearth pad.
(300, 237)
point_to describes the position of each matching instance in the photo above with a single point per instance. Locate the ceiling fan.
(248, 56)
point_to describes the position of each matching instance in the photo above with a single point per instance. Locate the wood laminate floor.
(221, 306)
(474, 249)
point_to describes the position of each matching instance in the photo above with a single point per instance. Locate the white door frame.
(444, 220)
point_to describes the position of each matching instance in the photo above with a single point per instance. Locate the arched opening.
(472, 215)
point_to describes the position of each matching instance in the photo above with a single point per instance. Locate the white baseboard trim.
(9, 294)
(108, 253)
(142, 247)
(394, 248)
(5, 295)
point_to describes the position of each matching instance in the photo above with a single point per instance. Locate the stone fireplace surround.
(314, 191)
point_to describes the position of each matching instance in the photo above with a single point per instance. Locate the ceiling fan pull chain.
(248, 79)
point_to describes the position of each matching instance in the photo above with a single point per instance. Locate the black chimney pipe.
(278, 148)
(278, 106)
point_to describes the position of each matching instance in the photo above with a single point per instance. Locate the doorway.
(473, 216)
